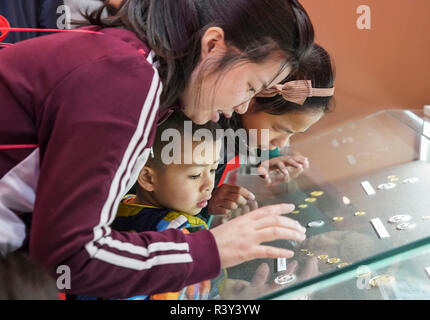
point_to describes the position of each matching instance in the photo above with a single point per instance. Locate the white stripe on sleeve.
(126, 170)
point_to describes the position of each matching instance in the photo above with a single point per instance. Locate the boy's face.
(281, 127)
(188, 187)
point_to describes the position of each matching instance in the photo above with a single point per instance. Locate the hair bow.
(296, 91)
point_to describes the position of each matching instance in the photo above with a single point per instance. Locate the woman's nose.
(242, 108)
(282, 142)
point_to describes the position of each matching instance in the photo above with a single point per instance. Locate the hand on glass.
(228, 197)
(240, 239)
(242, 209)
(281, 164)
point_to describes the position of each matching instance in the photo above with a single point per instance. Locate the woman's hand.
(240, 239)
(280, 164)
(228, 197)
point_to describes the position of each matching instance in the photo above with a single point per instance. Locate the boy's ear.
(146, 179)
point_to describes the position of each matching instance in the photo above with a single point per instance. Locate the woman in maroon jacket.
(91, 102)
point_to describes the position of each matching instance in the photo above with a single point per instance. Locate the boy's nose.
(208, 184)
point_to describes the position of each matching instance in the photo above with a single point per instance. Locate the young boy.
(173, 187)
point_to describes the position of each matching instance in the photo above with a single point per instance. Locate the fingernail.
(289, 254)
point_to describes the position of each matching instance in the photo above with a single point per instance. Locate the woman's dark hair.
(173, 29)
(318, 68)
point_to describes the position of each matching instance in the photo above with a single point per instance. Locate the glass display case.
(365, 201)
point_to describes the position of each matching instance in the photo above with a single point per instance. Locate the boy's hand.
(281, 163)
(228, 197)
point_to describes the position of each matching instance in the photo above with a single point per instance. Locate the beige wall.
(386, 67)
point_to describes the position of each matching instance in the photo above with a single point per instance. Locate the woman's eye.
(213, 171)
(195, 176)
(251, 89)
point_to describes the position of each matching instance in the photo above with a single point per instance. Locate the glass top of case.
(365, 201)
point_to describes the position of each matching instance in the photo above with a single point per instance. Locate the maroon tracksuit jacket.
(90, 102)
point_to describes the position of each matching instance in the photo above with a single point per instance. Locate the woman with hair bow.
(80, 111)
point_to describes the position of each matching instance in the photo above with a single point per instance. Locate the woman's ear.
(146, 179)
(213, 42)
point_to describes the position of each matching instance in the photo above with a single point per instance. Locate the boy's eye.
(251, 88)
(195, 176)
(213, 171)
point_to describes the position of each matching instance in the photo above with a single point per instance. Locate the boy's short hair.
(176, 122)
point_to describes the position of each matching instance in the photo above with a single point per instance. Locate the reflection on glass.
(389, 148)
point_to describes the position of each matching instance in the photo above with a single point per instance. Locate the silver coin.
(406, 226)
(285, 278)
(411, 180)
(316, 224)
(400, 218)
(346, 201)
(387, 186)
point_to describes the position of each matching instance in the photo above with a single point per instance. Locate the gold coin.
(381, 280)
(310, 200)
(333, 260)
(359, 213)
(304, 250)
(296, 212)
(337, 218)
(310, 254)
(322, 257)
(317, 193)
(303, 206)
(344, 264)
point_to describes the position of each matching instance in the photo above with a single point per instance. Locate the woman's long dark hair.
(318, 68)
(173, 29)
